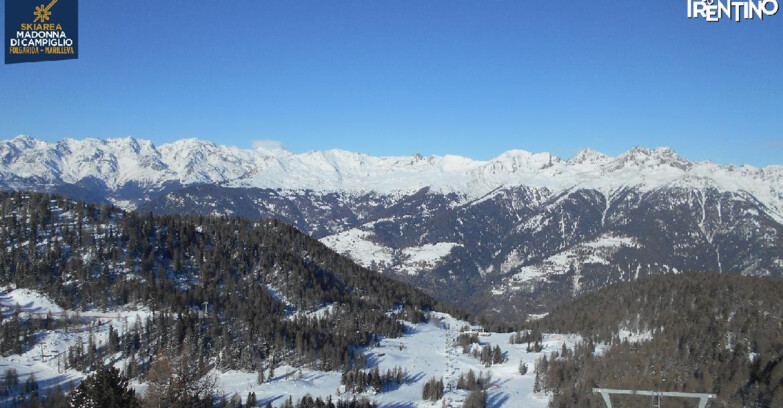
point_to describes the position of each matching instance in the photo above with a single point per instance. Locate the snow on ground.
(319, 313)
(416, 259)
(427, 351)
(596, 251)
(635, 336)
(357, 244)
(29, 300)
(43, 360)
(611, 241)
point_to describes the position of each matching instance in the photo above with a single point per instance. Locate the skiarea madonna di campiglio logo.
(36, 31)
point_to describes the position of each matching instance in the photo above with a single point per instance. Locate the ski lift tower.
(656, 396)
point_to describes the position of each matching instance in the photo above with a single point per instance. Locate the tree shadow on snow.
(410, 379)
(372, 360)
(60, 380)
(497, 400)
(398, 405)
(500, 382)
(409, 329)
(45, 386)
(8, 302)
(406, 380)
(264, 401)
(312, 376)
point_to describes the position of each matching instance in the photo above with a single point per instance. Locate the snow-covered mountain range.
(117, 163)
(515, 233)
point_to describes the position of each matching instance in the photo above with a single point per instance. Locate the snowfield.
(30, 301)
(425, 257)
(427, 350)
(358, 245)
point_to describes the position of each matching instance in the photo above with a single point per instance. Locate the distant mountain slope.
(697, 333)
(519, 249)
(518, 233)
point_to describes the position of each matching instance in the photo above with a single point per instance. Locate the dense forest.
(235, 293)
(700, 333)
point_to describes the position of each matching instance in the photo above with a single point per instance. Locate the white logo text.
(715, 10)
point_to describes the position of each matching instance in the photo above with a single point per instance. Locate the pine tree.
(251, 399)
(104, 389)
(522, 367)
(476, 399)
(497, 355)
(260, 378)
(537, 383)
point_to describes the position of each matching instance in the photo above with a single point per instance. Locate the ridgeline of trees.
(710, 333)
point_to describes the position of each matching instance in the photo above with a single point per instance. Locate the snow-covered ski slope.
(428, 350)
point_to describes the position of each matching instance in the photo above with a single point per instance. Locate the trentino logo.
(41, 32)
(715, 10)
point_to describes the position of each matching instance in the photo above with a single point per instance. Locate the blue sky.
(386, 77)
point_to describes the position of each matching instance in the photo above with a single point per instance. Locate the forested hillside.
(696, 333)
(240, 294)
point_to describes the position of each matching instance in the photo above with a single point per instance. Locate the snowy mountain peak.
(644, 157)
(588, 156)
(23, 140)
